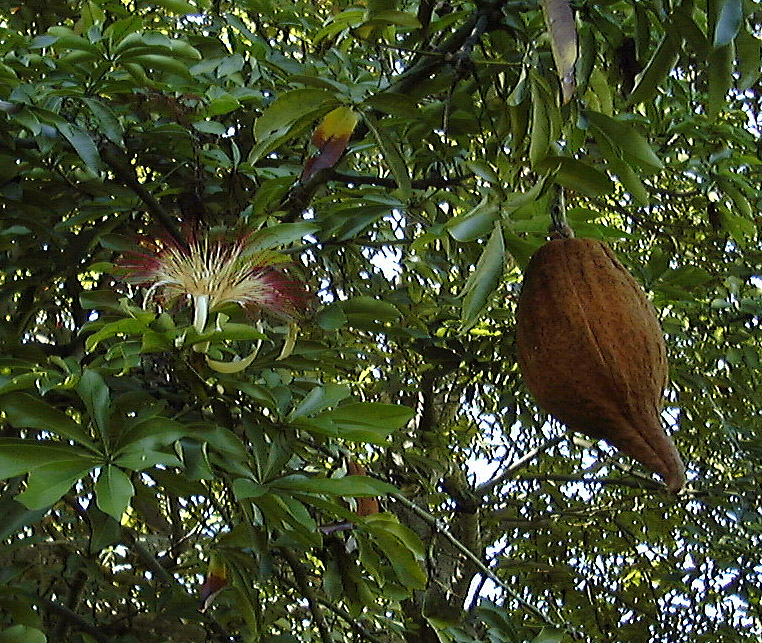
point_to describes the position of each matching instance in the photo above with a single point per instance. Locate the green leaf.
(392, 155)
(113, 491)
(129, 326)
(281, 234)
(748, 55)
(66, 38)
(223, 104)
(82, 143)
(657, 70)
(389, 523)
(728, 23)
(95, 394)
(540, 134)
(154, 433)
(18, 457)
(292, 106)
(108, 122)
(351, 486)
(331, 317)
(16, 516)
(393, 17)
(22, 634)
(100, 300)
(404, 563)
(50, 481)
(520, 248)
(243, 488)
(367, 312)
(720, 70)
(319, 399)
(180, 7)
(393, 104)
(158, 62)
(485, 278)
(578, 175)
(626, 138)
(631, 181)
(136, 458)
(549, 635)
(360, 422)
(474, 224)
(29, 411)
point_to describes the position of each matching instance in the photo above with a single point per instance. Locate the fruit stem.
(559, 228)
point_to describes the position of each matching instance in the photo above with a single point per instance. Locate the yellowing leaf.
(563, 41)
(331, 138)
(337, 123)
(231, 367)
(216, 580)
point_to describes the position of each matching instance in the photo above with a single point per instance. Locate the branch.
(454, 50)
(486, 571)
(640, 483)
(74, 619)
(125, 173)
(388, 182)
(353, 622)
(300, 574)
(487, 487)
(463, 40)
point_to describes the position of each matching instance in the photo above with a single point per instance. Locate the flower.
(213, 272)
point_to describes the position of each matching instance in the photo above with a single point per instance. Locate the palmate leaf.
(95, 394)
(48, 483)
(113, 491)
(28, 411)
(371, 422)
(19, 457)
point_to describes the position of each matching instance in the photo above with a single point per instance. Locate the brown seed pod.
(592, 352)
(366, 505)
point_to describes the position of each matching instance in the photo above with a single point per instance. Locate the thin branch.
(640, 483)
(389, 182)
(75, 620)
(352, 621)
(300, 574)
(487, 487)
(441, 529)
(125, 174)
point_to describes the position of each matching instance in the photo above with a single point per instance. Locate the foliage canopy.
(401, 158)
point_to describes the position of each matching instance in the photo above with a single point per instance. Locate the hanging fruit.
(592, 352)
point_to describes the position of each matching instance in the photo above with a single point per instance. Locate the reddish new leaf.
(331, 138)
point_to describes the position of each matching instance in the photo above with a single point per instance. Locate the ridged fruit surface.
(592, 353)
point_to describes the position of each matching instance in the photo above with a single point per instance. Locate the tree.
(369, 180)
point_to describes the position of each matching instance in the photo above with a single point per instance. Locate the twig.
(441, 529)
(388, 182)
(641, 483)
(300, 575)
(125, 173)
(353, 622)
(487, 487)
(77, 622)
